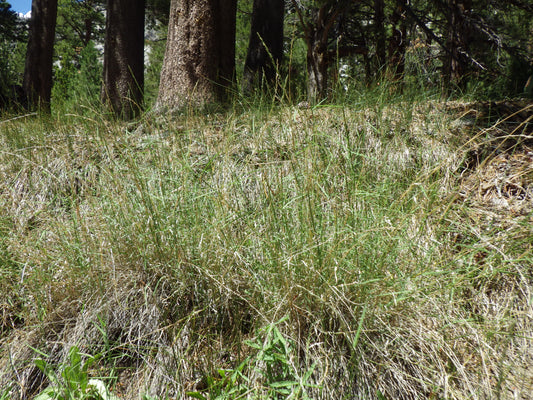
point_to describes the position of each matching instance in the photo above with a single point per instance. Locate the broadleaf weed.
(73, 382)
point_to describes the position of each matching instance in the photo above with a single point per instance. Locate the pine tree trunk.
(265, 49)
(124, 57)
(38, 68)
(199, 63)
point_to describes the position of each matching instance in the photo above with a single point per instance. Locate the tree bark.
(38, 68)
(455, 63)
(124, 58)
(318, 56)
(317, 71)
(199, 63)
(265, 49)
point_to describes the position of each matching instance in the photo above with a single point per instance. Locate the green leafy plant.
(273, 361)
(73, 380)
(228, 384)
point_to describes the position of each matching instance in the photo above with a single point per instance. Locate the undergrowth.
(279, 252)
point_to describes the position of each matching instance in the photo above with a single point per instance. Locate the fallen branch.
(19, 117)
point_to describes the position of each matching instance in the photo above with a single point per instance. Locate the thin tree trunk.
(317, 71)
(265, 49)
(124, 57)
(88, 22)
(199, 63)
(398, 42)
(38, 68)
(318, 57)
(455, 64)
(528, 87)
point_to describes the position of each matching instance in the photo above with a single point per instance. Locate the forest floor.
(370, 251)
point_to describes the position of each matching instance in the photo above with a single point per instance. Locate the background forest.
(266, 199)
(322, 48)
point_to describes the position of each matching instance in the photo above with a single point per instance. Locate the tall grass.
(278, 252)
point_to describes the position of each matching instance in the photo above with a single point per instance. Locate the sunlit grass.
(168, 243)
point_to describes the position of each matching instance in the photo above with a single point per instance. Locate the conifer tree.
(39, 55)
(124, 57)
(199, 62)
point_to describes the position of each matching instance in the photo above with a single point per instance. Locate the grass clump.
(329, 252)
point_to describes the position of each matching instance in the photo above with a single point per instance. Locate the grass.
(274, 252)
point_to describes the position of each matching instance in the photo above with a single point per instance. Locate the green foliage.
(503, 47)
(295, 66)
(158, 11)
(65, 72)
(278, 363)
(12, 52)
(90, 72)
(242, 34)
(227, 384)
(495, 63)
(73, 382)
(153, 68)
(275, 361)
(78, 67)
(77, 77)
(11, 26)
(12, 59)
(79, 22)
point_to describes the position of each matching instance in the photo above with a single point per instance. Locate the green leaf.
(42, 365)
(74, 356)
(308, 373)
(196, 395)
(39, 352)
(283, 384)
(72, 373)
(223, 373)
(281, 339)
(47, 394)
(253, 345)
(46, 369)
